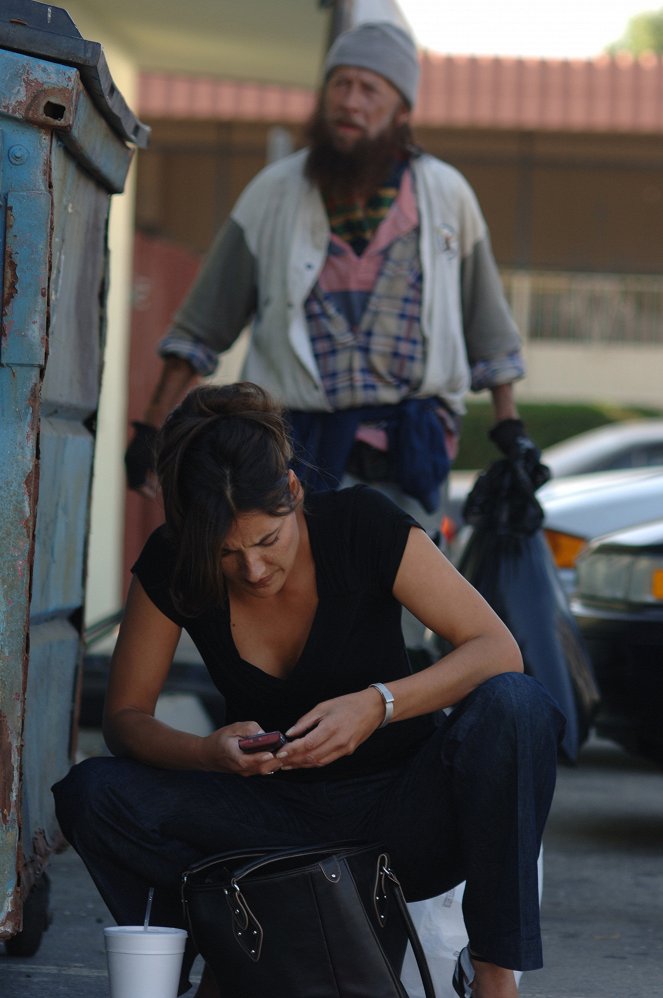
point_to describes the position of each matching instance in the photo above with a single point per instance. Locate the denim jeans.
(470, 805)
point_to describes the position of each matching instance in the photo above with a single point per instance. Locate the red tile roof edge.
(605, 94)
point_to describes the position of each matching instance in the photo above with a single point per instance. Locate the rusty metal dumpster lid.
(48, 32)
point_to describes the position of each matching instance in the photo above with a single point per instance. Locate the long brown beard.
(357, 174)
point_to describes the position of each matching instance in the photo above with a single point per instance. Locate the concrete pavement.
(602, 896)
(603, 881)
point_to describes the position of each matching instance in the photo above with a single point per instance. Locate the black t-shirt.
(357, 539)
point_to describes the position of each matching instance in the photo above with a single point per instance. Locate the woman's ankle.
(491, 981)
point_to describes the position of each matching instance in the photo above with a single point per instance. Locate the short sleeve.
(360, 542)
(382, 529)
(154, 569)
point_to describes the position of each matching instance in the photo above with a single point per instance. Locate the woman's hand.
(333, 729)
(220, 752)
(141, 660)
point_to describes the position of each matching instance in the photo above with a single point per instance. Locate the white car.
(617, 446)
(636, 443)
(580, 508)
(618, 607)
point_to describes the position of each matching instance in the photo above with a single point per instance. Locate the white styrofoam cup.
(144, 963)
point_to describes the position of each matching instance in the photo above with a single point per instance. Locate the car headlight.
(646, 582)
(625, 577)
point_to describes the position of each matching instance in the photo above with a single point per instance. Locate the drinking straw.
(148, 909)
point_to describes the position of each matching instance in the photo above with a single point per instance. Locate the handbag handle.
(415, 942)
(266, 859)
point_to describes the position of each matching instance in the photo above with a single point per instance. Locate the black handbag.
(327, 921)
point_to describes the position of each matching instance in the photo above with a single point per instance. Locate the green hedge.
(546, 424)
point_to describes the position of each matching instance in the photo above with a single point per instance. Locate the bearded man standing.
(364, 266)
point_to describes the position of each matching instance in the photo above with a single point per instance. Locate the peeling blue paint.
(54, 202)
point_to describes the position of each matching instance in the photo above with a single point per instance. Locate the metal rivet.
(17, 155)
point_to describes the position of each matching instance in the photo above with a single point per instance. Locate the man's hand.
(139, 459)
(511, 438)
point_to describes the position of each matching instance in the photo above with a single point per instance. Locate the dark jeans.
(470, 805)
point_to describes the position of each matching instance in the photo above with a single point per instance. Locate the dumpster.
(66, 143)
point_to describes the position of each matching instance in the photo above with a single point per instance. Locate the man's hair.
(223, 451)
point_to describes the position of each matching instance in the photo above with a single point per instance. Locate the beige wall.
(103, 592)
(628, 374)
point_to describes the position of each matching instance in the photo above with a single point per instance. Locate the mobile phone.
(266, 741)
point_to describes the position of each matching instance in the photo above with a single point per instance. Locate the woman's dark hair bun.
(224, 450)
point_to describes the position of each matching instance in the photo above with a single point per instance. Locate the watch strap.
(388, 698)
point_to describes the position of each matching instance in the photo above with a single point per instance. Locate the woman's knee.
(509, 710)
(81, 793)
(516, 695)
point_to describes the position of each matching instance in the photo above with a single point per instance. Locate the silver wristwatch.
(388, 698)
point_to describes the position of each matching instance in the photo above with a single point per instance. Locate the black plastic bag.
(508, 560)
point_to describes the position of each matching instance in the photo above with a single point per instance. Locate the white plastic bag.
(439, 923)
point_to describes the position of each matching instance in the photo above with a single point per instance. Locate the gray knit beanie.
(382, 47)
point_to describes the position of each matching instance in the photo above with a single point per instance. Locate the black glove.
(139, 455)
(511, 438)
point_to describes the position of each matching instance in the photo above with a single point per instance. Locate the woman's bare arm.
(141, 661)
(431, 589)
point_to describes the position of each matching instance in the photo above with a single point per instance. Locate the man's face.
(359, 104)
